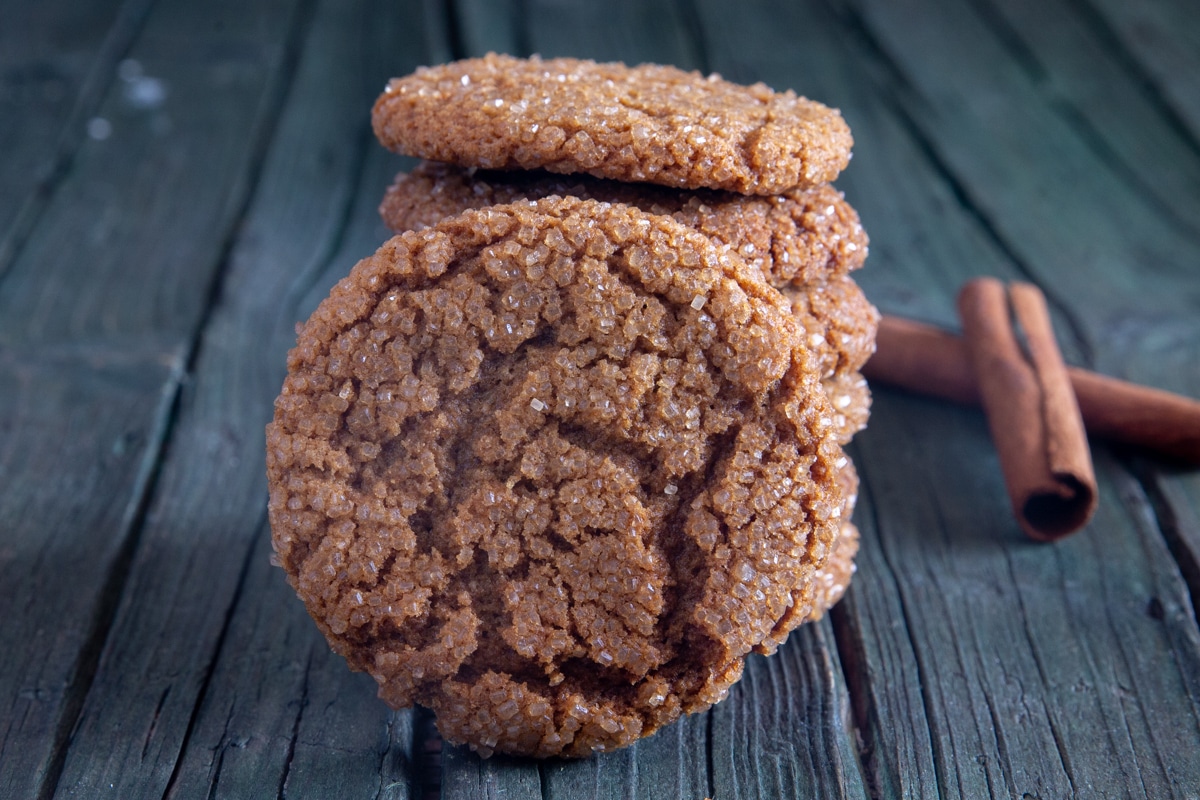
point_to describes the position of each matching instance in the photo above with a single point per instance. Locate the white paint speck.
(99, 128)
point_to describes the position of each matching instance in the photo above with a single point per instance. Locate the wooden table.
(181, 182)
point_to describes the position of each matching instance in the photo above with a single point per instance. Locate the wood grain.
(942, 646)
(149, 281)
(1162, 44)
(785, 729)
(80, 429)
(91, 289)
(311, 217)
(56, 59)
(1090, 78)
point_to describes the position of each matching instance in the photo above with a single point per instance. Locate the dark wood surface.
(181, 182)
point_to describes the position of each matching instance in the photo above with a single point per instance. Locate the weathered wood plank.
(784, 731)
(1164, 38)
(466, 775)
(1127, 270)
(1068, 218)
(628, 31)
(1093, 83)
(239, 691)
(949, 650)
(55, 60)
(483, 26)
(144, 214)
(633, 32)
(80, 429)
(281, 714)
(672, 763)
(621, 31)
(1042, 669)
(110, 246)
(781, 733)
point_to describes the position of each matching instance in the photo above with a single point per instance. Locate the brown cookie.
(833, 578)
(801, 236)
(851, 400)
(553, 469)
(650, 123)
(839, 323)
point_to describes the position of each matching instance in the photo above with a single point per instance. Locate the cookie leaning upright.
(651, 123)
(553, 470)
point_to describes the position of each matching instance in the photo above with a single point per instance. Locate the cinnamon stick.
(1030, 406)
(929, 360)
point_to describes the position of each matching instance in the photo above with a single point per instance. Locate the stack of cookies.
(562, 453)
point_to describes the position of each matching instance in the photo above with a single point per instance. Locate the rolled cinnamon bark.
(1030, 406)
(922, 359)
(929, 360)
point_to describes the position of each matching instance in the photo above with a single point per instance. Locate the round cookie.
(553, 469)
(839, 323)
(801, 236)
(851, 400)
(833, 578)
(654, 124)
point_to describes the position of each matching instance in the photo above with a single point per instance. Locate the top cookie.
(650, 123)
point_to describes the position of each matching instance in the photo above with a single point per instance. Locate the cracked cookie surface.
(799, 237)
(553, 469)
(650, 123)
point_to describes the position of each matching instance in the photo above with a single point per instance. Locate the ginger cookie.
(553, 469)
(851, 400)
(799, 237)
(833, 578)
(650, 123)
(839, 323)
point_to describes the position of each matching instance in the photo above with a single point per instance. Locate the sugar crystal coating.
(839, 323)
(565, 575)
(650, 123)
(799, 237)
(850, 398)
(833, 577)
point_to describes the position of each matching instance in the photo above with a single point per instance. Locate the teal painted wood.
(484, 26)
(1098, 86)
(1121, 274)
(239, 691)
(1163, 41)
(80, 429)
(975, 663)
(923, 672)
(55, 59)
(97, 315)
(144, 215)
(659, 31)
(279, 715)
(785, 730)
(673, 763)
(466, 775)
